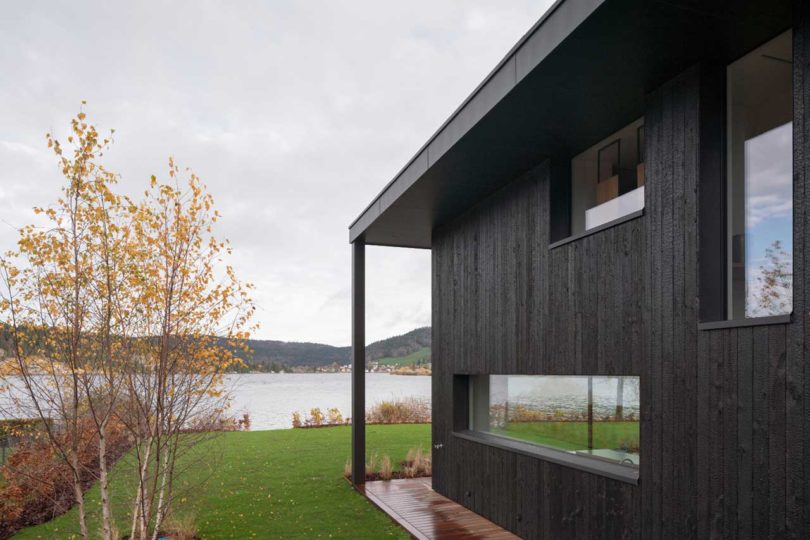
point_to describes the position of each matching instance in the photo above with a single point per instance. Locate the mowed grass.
(573, 435)
(266, 484)
(421, 355)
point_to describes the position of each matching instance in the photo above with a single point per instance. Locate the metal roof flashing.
(516, 64)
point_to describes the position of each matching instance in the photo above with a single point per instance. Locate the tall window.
(760, 181)
(607, 180)
(597, 417)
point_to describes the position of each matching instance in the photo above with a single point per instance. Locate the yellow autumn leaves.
(122, 311)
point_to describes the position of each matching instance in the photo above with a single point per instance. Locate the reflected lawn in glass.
(557, 411)
(574, 435)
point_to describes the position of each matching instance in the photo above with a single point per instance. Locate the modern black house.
(619, 230)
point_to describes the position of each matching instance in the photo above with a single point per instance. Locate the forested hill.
(275, 354)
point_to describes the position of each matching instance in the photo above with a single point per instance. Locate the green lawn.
(422, 354)
(573, 435)
(269, 484)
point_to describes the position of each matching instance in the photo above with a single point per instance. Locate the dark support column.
(590, 413)
(358, 362)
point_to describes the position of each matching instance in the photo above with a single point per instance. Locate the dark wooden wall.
(725, 435)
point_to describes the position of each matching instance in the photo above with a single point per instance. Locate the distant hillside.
(274, 355)
(415, 358)
(399, 345)
(412, 347)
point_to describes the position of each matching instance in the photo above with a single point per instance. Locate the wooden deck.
(426, 515)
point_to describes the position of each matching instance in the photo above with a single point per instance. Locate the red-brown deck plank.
(426, 515)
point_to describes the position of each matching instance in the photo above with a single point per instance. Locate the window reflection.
(590, 416)
(760, 172)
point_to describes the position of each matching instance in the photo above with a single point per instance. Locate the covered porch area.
(410, 502)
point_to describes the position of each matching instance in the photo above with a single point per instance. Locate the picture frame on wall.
(607, 171)
(608, 161)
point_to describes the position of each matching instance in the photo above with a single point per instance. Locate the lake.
(271, 398)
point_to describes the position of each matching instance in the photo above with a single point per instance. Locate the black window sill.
(744, 323)
(618, 221)
(616, 471)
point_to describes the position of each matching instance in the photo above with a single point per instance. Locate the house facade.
(618, 224)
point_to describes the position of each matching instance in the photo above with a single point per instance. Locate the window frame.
(462, 403)
(713, 227)
(616, 471)
(561, 197)
(609, 225)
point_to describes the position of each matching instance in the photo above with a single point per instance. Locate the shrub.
(37, 484)
(14, 431)
(217, 423)
(417, 463)
(427, 466)
(403, 411)
(315, 417)
(386, 470)
(180, 528)
(371, 465)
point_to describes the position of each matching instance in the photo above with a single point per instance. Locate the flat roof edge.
(510, 56)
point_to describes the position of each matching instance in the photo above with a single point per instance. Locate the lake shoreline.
(271, 398)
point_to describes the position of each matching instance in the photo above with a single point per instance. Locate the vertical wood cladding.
(724, 423)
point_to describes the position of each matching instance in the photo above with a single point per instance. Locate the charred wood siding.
(725, 437)
(504, 303)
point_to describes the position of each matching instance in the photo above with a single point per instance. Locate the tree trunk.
(77, 491)
(140, 497)
(106, 514)
(160, 511)
(620, 400)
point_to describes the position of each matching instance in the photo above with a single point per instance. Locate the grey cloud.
(294, 113)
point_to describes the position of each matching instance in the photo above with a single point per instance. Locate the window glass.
(608, 179)
(760, 181)
(590, 416)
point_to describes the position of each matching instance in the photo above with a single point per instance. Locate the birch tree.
(196, 314)
(122, 312)
(67, 307)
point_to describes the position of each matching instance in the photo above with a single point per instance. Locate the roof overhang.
(581, 72)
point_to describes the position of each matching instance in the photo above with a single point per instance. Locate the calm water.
(271, 398)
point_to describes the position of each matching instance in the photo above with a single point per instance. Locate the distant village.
(371, 367)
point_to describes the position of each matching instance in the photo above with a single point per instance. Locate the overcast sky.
(295, 113)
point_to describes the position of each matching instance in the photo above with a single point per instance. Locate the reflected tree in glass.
(775, 281)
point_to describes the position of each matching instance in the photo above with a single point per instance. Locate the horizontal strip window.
(635, 215)
(590, 422)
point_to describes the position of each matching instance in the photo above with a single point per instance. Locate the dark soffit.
(581, 72)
